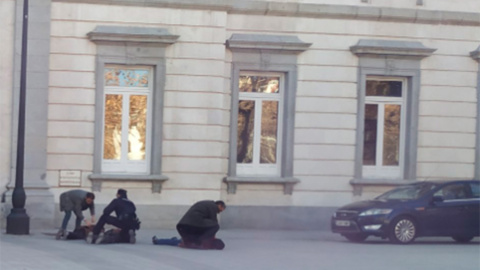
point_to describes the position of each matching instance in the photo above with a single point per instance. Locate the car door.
(448, 216)
(473, 209)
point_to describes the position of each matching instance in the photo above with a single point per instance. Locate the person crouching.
(199, 226)
(126, 219)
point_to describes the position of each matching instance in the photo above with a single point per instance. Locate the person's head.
(89, 198)
(121, 193)
(221, 206)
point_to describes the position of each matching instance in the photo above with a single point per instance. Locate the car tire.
(462, 239)
(356, 237)
(403, 230)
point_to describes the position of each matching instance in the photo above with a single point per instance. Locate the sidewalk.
(245, 250)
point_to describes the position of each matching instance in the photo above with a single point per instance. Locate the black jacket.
(201, 214)
(123, 208)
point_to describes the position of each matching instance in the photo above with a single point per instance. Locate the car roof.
(442, 182)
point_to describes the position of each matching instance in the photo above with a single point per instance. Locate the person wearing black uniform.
(199, 225)
(126, 219)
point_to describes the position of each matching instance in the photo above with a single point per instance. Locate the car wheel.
(462, 239)
(403, 230)
(356, 237)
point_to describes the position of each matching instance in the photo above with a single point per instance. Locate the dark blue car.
(422, 209)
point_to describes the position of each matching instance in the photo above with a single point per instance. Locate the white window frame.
(378, 170)
(125, 166)
(256, 168)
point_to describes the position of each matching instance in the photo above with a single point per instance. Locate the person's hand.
(87, 222)
(93, 219)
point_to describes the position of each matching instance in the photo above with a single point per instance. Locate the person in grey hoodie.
(75, 200)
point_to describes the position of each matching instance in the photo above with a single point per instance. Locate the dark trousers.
(66, 218)
(196, 235)
(124, 225)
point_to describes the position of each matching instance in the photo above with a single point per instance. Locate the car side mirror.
(436, 199)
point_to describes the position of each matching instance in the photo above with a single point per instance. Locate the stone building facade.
(283, 109)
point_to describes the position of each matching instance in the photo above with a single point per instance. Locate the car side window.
(475, 190)
(452, 192)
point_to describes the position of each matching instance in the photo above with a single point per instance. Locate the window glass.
(259, 84)
(391, 135)
(268, 144)
(370, 135)
(409, 192)
(246, 124)
(452, 192)
(475, 190)
(137, 127)
(112, 143)
(126, 77)
(384, 88)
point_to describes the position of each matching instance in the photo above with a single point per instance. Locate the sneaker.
(131, 233)
(154, 239)
(60, 234)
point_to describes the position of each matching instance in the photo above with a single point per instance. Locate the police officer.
(125, 219)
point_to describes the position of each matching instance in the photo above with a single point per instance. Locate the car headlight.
(372, 212)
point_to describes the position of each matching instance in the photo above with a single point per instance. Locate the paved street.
(245, 250)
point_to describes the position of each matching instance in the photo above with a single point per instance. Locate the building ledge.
(156, 179)
(289, 44)
(391, 48)
(233, 181)
(308, 10)
(106, 33)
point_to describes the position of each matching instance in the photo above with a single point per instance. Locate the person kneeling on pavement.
(198, 227)
(126, 219)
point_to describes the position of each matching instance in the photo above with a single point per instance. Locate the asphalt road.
(245, 250)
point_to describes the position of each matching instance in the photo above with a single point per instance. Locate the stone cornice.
(159, 36)
(291, 44)
(391, 47)
(306, 10)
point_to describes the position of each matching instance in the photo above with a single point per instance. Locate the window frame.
(379, 170)
(256, 168)
(376, 67)
(124, 166)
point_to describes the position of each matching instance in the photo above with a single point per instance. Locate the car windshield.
(409, 192)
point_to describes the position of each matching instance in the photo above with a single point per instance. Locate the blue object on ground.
(174, 241)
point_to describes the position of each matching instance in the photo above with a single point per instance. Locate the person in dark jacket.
(199, 225)
(75, 200)
(126, 218)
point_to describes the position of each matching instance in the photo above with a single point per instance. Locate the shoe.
(94, 238)
(154, 239)
(131, 233)
(60, 234)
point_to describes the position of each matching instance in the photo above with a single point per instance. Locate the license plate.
(342, 223)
